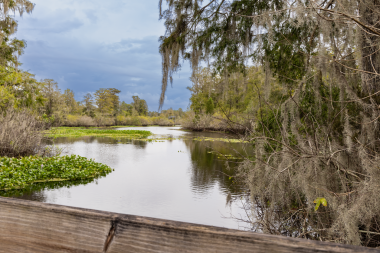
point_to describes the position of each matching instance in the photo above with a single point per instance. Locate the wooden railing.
(27, 226)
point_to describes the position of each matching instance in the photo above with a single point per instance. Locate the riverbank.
(234, 124)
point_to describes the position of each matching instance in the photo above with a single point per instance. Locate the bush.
(104, 121)
(71, 120)
(20, 133)
(85, 121)
(143, 121)
(162, 121)
(76, 121)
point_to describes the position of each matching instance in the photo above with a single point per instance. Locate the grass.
(17, 173)
(81, 131)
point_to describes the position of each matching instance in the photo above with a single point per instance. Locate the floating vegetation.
(141, 135)
(81, 131)
(224, 156)
(220, 139)
(17, 173)
(163, 139)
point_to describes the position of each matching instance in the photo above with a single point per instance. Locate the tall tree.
(140, 105)
(51, 92)
(107, 101)
(70, 101)
(88, 102)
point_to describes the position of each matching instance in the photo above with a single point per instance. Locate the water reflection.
(183, 179)
(209, 166)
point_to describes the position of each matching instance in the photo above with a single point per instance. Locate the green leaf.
(320, 201)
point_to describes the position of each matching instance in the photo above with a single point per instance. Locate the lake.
(181, 179)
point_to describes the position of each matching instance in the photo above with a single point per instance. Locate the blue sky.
(90, 44)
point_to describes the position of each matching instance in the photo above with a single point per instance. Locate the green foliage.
(72, 105)
(88, 105)
(126, 109)
(11, 48)
(18, 173)
(107, 101)
(140, 106)
(79, 132)
(210, 106)
(6, 98)
(319, 125)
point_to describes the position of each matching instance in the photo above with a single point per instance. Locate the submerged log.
(27, 226)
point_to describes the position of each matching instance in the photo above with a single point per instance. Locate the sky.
(90, 44)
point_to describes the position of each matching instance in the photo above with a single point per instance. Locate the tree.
(11, 48)
(126, 109)
(210, 106)
(107, 101)
(88, 102)
(51, 92)
(70, 101)
(324, 125)
(140, 106)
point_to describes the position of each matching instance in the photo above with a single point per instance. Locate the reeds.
(20, 133)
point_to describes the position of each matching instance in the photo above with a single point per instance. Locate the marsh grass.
(81, 132)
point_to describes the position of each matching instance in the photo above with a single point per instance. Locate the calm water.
(181, 180)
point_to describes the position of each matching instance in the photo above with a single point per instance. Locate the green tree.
(210, 106)
(70, 101)
(88, 102)
(51, 93)
(107, 101)
(11, 48)
(126, 109)
(140, 106)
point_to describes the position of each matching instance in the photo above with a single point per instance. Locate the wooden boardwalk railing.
(29, 227)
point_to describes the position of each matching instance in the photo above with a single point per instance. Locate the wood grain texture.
(27, 226)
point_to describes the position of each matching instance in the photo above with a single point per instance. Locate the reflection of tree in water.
(209, 167)
(140, 144)
(36, 192)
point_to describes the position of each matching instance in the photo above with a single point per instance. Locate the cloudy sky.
(90, 44)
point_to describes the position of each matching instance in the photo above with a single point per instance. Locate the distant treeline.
(101, 108)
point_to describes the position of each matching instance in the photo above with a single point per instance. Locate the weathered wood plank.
(27, 226)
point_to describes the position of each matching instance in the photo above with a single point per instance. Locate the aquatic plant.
(79, 132)
(16, 173)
